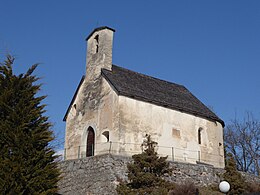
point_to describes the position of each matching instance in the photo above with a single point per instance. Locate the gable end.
(74, 97)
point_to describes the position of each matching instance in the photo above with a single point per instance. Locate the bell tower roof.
(98, 29)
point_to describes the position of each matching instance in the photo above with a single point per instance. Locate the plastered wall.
(175, 132)
(96, 107)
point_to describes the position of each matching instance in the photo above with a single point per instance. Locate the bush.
(233, 177)
(210, 190)
(146, 172)
(253, 187)
(187, 188)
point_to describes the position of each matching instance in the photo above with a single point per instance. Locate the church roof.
(163, 93)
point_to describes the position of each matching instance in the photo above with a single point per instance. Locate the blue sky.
(211, 47)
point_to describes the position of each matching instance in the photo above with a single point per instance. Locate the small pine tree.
(28, 165)
(233, 177)
(146, 172)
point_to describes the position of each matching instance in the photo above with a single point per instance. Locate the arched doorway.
(90, 142)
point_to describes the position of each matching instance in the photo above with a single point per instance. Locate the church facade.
(114, 108)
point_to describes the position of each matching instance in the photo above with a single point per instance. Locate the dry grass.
(187, 188)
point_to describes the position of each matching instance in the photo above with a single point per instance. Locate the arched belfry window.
(96, 42)
(90, 142)
(199, 135)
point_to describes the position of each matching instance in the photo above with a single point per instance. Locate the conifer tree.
(233, 177)
(28, 164)
(146, 172)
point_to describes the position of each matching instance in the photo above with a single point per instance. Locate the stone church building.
(114, 108)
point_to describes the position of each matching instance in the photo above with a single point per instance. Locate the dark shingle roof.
(159, 92)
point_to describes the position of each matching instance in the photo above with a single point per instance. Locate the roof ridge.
(147, 75)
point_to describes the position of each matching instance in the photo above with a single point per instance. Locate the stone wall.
(92, 175)
(100, 174)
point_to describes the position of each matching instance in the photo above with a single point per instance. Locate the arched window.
(90, 142)
(199, 135)
(106, 135)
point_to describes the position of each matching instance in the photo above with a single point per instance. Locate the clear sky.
(212, 47)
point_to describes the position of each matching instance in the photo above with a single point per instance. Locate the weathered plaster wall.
(100, 174)
(171, 129)
(96, 106)
(99, 53)
(129, 120)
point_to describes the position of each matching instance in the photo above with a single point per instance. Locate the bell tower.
(99, 51)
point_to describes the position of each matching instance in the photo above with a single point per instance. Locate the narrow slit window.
(199, 135)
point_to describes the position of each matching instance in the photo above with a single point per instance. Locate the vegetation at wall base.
(28, 164)
(253, 188)
(233, 176)
(146, 172)
(187, 188)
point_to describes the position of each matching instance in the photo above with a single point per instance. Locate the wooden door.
(90, 142)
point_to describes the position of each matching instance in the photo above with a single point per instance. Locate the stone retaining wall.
(100, 174)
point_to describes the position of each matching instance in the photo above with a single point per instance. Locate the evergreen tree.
(233, 177)
(28, 164)
(146, 172)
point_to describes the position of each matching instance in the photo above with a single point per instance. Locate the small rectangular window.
(176, 133)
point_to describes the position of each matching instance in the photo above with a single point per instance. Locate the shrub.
(146, 172)
(187, 188)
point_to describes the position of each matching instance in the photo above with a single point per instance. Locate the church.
(114, 108)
